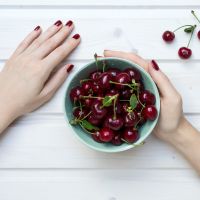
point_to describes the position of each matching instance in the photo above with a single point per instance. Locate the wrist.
(7, 116)
(184, 136)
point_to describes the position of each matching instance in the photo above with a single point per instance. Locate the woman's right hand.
(171, 114)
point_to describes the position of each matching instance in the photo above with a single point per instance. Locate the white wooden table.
(39, 156)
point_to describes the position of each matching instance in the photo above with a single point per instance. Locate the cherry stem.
(91, 97)
(84, 80)
(191, 35)
(181, 27)
(114, 110)
(125, 84)
(195, 15)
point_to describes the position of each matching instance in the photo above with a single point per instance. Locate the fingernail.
(76, 36)
(69, 68)
(37, 28)
(155, 65)
(69, 23)
(58, 23)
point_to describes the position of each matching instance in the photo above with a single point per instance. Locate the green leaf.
(87, 125)
(133, 101)
(107, 101)
(188, 30)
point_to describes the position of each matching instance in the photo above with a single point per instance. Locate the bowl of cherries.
(112, 104)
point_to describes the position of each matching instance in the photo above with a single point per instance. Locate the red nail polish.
(69, 68)
(76, 36)
(155, 65)
(69, 23)
(37, 28)
(58, 23)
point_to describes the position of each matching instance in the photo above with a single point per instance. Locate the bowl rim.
(129, 146)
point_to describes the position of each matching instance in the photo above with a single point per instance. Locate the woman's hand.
(171, 114)
(172, 127)
(29, 79)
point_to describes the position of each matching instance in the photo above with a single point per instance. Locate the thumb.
(163, 83)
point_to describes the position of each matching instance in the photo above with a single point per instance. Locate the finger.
(128, 56)
(166, 88)
(54, 83)
(27, 41)
(49, 45)
(45, 36)
(61, 52)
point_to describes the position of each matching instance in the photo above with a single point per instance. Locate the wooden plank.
(140, 30)
(47, 141)
(101, 184)
(184, 75)
(100, 3)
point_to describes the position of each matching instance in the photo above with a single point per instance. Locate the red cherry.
(104, 81)
(113, 123)
(95, 75)
(96, 88)
(96, 138)
(133, 73)
(116, 140)
(106, 134)
(126, 94)
(78, 113)
(94, 120)
(130, 135)
(184, 52)
(124, 107)
(168, 36)
(113, 71)
(150, 112)
(198, 34)
(76, 93)
(87, 87)
(97, 109)
(122, 78)
(88, 102)
(130, 119)
(147, 98)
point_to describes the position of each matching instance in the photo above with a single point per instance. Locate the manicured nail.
(37, 28)
(76, 36)
(69, 68)
(58, 23)
(69, 23)
(155, 65)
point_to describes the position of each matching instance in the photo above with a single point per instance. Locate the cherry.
(97, 109)
(116, 140)
(130, 135)
(147, 97)
(113, 71)
(198, 34)
(93, 120)
(106, 134)
(95, 75)
(130, 119)
(76, 93)
(149, 112)
(95, 137)
(87, 87)
(138, 107)
(142, 119)
(184, 52)
(126, 94)
(124, 107)
(78, 113)
(112, 92)
(104, 81)
(114, 123)
(118, 108)
(88, 102)
(133, 73)
(122, 78)
(168, 36)
(96, 88)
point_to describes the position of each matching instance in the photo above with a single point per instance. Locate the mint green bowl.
(83, 73)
